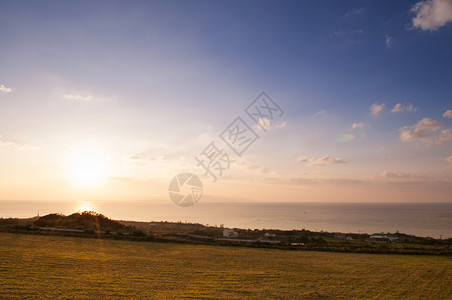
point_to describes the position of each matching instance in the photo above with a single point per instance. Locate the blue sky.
(163, 78)
(334, 54)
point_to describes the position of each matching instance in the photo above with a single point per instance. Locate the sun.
(85, 206)
(87, 167)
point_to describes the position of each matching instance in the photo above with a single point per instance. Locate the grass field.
(52, 266)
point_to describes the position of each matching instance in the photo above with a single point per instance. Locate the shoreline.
(195, 233)
(419, 219)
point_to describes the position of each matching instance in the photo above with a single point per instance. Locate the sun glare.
(87, 167)
(85, 206)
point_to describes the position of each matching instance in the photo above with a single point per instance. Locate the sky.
(110, 100)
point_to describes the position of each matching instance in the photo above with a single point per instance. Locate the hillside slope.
(87, 220)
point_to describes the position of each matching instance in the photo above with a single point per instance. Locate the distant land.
(91, 224)
(420, 219)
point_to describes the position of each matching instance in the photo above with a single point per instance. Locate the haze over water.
(421, 219)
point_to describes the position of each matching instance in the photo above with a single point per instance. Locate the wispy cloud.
(303, 159)
(266, 124)
(358, 125)
(426, 130)
(320, 113)
(376, 108)
(17, 145)
(448, 114)
(245, 164)
(393, 175)
(326, 161)
(263, 123)
(449, 162)
(432, 14)
(390, 41)
(77, 97)
(399, 107)
(142, 159)
(5, 90)
(354, 12)
(319, 181)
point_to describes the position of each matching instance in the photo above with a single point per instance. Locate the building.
(392, 237)
(339, 236)
(383, 238)
(229, 233)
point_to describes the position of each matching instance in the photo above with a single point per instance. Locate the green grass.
(53, 266)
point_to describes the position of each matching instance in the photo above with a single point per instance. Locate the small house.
(339, 236)
(229, 233)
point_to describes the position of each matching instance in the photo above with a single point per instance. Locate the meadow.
(36, 266)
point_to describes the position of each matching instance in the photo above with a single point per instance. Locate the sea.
(420, 219)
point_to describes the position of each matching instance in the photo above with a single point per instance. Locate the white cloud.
(327, 160)
(358, 125)
(76, 97)
(432, 14)
(389, 40)
(396, 175)
(5, 90)
(425, 131)
(449, 162)
(376, 108)
(321, 162)
(445, 135)
(264, 123)
(399, 107)
(448, 114)
(303, 159)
